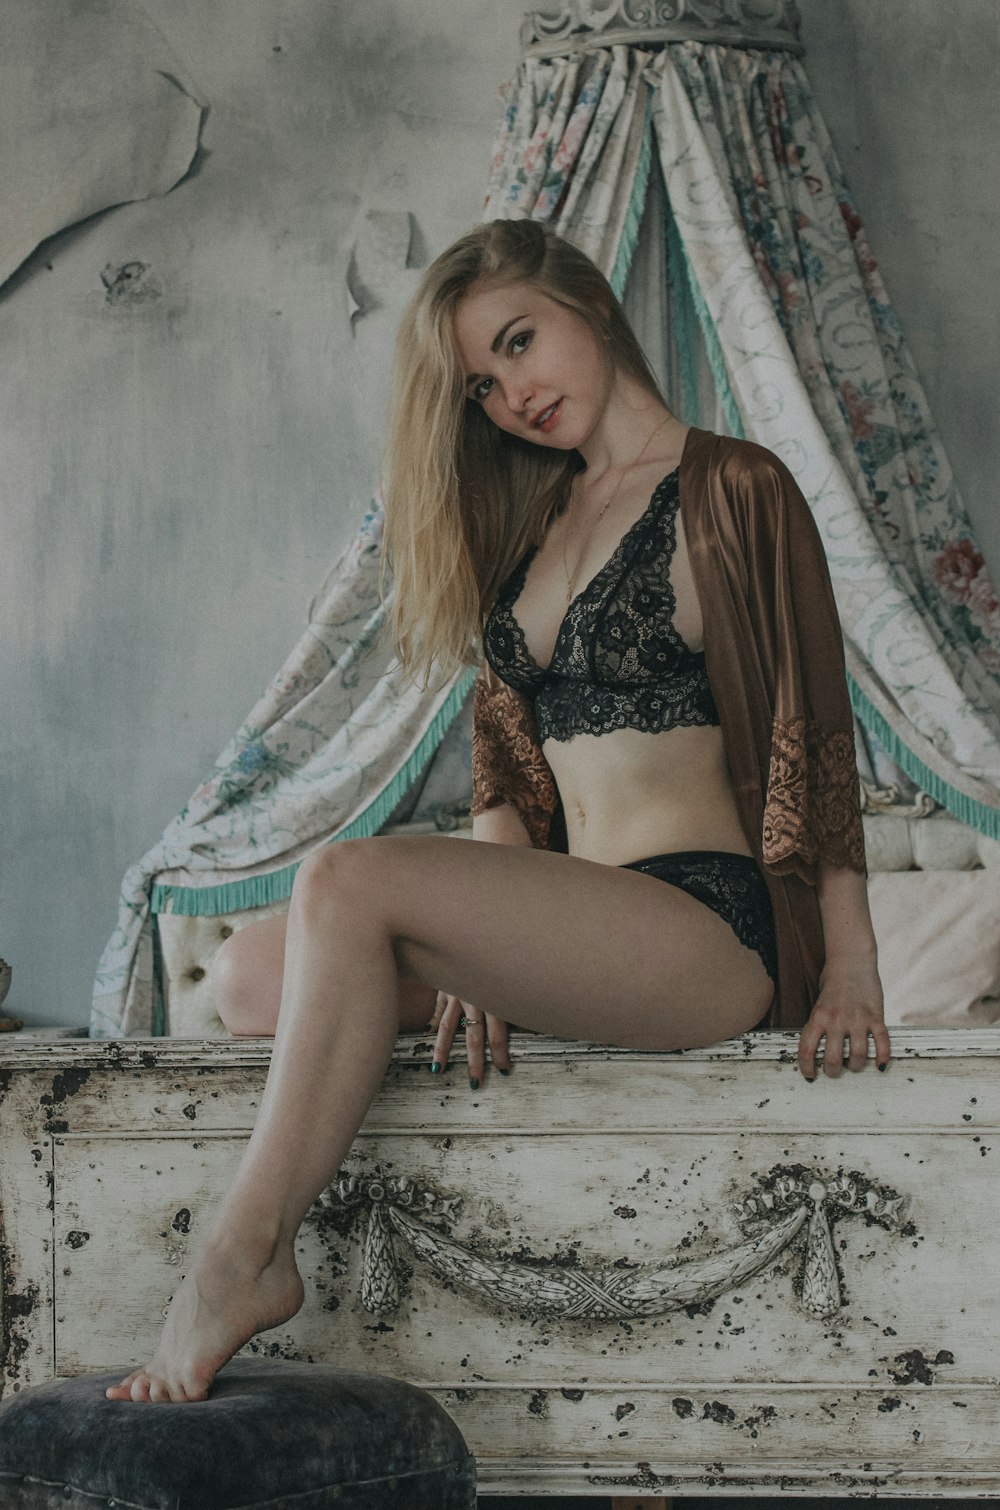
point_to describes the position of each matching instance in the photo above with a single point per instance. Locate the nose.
(520, 395)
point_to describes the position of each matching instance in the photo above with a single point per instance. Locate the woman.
(537, 481)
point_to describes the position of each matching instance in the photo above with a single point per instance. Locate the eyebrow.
(495, 344)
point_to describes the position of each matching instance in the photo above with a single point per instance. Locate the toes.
(145, 1388)
(122, 1390)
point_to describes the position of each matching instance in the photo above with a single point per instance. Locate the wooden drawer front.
(131, 1207)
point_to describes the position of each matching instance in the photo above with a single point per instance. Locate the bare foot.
(215, 1311)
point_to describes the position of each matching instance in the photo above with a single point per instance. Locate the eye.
(482, 389)
(520, 342)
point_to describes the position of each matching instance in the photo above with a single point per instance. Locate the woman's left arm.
(849, 1007)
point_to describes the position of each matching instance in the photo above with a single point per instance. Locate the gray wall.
(177, 477)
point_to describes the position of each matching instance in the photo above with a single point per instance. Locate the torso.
(626, 793)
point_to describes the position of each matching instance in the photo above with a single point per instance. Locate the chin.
(562, 440)
(544, 442)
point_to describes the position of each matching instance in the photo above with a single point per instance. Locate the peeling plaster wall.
(179, 471)
(180, 463)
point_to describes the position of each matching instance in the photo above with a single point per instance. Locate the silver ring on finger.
(471, 1022)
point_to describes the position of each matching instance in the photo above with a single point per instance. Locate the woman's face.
(535, 367)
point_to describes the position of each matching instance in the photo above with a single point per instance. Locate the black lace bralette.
(618, 661)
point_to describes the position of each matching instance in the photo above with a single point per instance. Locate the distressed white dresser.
(621, 1273)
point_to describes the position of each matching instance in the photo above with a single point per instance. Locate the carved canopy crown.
(580, 25)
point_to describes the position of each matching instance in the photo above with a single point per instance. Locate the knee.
(226, 974)
(341, 877)
(246, 992)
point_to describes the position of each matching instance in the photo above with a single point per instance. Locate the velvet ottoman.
(271, 1434)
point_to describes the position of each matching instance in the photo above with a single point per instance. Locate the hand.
(450, 1016)
(849, 1009)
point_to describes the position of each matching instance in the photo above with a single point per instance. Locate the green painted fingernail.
(436, 1067)
(505, 1072)
(473, 1083)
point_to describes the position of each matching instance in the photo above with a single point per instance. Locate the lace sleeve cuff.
(812, 815)
(507, 761)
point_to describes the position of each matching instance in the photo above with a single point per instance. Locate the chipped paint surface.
(595, 1165)
(913, 1367)
(17, 1306)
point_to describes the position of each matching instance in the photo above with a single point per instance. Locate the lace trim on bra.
(618, 660)
(812, 811)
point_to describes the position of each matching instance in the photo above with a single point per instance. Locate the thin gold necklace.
(604, 509)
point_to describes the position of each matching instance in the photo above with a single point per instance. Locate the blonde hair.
(463, 498)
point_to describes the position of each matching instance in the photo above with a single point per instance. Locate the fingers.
(440, 1002)
(883, 1048)
(857, 1051)
(833, 1054)
(808, 1044)
(497, 1032)
(841, 1048)
(453, 1016)
(475, 1045)
(448, 1014)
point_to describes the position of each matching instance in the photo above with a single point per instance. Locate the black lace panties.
(731, 885)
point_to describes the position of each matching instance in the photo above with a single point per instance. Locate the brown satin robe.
(775, 660)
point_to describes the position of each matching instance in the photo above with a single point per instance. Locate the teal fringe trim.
(276, 885)
(230, 896)
(636, 206)
(985, 820)
(378, 812)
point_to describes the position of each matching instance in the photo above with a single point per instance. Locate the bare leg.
(247, 973)
(565, 946)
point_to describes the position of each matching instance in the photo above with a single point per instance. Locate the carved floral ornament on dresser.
(773, 1214)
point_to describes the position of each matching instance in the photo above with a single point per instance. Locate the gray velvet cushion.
(271, 1434)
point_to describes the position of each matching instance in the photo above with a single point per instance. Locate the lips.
(547, 418)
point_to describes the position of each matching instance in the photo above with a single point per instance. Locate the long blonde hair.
(463, 498)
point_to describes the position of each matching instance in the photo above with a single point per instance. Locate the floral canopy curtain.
(339, 744)
(768, 279)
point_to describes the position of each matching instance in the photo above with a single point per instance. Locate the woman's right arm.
(501, 762)
(500, 825)
(497, 825)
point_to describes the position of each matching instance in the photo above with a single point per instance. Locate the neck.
(626, 425)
